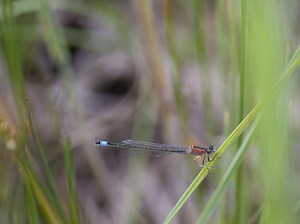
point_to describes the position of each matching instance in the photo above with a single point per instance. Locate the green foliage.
(248, 43)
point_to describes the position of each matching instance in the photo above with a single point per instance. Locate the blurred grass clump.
(194, 73)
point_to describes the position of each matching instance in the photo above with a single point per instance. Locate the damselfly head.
(210, 149)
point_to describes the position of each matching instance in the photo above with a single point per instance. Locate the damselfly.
(199, 151)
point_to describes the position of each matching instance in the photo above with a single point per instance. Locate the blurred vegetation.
(178, 72)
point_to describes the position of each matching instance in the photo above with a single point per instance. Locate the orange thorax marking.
(196, 150)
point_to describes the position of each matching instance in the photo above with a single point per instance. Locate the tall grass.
(40, 200)
(242, 51)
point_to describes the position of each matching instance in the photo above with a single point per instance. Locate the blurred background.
(175, 72)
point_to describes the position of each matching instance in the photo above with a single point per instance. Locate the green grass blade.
(50, 178)
(44, 199)
(53, 194)
(204, 172)
(234, 165)
(11, 53)
(71, 186)
(235, 134)
(239, 184)
(31, 204)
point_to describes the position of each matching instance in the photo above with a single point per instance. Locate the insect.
(202, 153)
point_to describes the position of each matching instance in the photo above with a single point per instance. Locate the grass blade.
(224, 182)
(71, 186)
(235, 134)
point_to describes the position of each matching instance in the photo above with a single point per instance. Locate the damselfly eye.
(210, 149)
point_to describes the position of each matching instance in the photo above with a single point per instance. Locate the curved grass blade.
(224, 182)
(203, 173)
(293, 64)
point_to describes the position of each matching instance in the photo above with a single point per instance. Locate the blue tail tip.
(101, 143)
